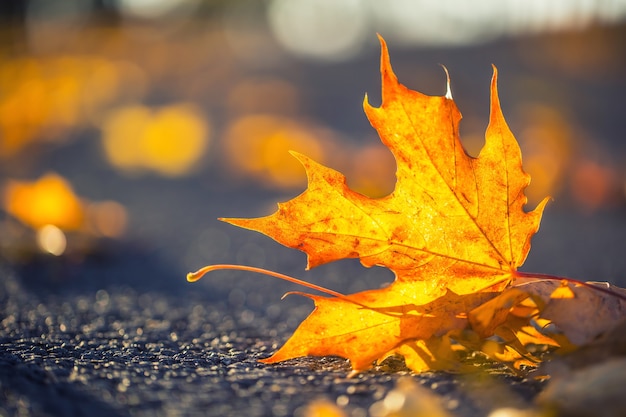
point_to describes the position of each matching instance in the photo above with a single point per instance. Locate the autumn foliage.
(454, 232)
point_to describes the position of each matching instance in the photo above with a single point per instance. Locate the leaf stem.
(195, 276)
(519, 274)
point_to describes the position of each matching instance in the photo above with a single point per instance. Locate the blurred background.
(128, 126)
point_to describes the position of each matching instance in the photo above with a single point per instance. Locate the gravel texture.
(120, 352)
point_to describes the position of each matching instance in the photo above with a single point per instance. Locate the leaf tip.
(385, 61)
(495, 100)
(386, 71)
(240, 222)
(448, 89)
(381, 40)
(300, 157)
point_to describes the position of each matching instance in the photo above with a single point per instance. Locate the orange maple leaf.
(452, 221)
(453, 231)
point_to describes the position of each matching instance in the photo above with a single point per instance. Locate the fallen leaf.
(585, 312)
(449, 216)
(453, 226)
(370, 325)
(453, 231)
(609, 345)
(507, 329)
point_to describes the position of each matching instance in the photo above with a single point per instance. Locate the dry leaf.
(449, 216)
(584, 313)
(453, 231)
(374, 324)
(453, 226)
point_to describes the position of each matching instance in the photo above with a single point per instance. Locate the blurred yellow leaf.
(169, 141)
(40, 99)
(323, 408)
(47, 201)
(409, 399)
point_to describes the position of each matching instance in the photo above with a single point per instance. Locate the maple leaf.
(453, 231)
(453, 225)
(452, 221)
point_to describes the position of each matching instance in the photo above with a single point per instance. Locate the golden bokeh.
(323, 408)
(107, 218)
(47, 201)
(50, 206)
(546, 140)
(45, 99)
(594, 185)
(257, 147)
(169, 140)
(263, 95)
(372, 171)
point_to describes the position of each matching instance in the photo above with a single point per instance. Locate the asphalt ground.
(121, 352)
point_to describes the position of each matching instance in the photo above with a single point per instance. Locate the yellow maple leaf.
(453, 231)
(452, 221)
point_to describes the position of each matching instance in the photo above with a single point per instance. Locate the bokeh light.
(372, 171)
(257, 147)
(50, 207)
(47, 201)
(153, 9)
(336, 30)
(264, 95)
(52, 240)
(547, 140)
(169, 140)
(44, 99)
(594, 185)
(107, 218)
(409, 398)
(328, 29)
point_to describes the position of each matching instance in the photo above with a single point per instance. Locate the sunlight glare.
(323, 29)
